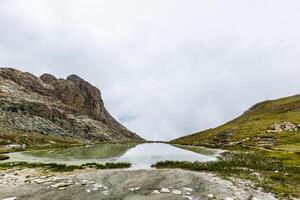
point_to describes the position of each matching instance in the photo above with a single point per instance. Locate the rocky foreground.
(123, 184)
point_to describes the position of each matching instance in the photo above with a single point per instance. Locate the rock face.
(51, 106)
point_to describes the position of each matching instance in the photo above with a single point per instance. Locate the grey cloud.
(165, 68)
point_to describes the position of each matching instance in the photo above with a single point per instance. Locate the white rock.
(62, 188)
(156, 192)
(210, 196)
(10, 198)
(254, 198)
(98, 186)
(88, 190)
(188, 189)
(188, 197)
(229, 198)
(105, 193)
(177, 192)
(165, 190)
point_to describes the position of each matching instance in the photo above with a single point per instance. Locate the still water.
(141, 156)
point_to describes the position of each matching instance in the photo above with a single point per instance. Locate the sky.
(166, 68)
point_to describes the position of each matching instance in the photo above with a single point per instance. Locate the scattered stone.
(187, 197)
(210, 196)
(88, 190)
(155, 192)
(285, 126)
(188, 189)
(229, 198)
(177, 192)
(98, 186)
(62, 188)
(254, 198)
(10, 198)
(105, 193)
(62, 184)
(276, 171)
(165, 190)
(95, 189)
(134, 189)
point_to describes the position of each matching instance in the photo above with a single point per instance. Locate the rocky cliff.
(56, 107)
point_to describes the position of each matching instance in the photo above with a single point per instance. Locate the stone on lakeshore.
(229, 198)
(155, 192)
(210, 196)
(165, 190)
(177, 192)
(188, 189)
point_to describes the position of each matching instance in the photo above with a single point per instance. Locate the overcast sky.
(166, 68)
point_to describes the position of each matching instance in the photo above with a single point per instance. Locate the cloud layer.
(166, 68)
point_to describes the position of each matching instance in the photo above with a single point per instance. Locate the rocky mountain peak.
(69, 106)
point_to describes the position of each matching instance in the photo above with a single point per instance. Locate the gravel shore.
(171, 184)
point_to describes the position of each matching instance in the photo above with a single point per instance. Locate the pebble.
(177, 192)
(187, 197)
(210, 196)
(229, 198)
(134, 189)
(165, 190)
(188, 189)
(98, 186)
(62, 188)
(105, 193)
(88, 190)
(254, 198)
(10, 198)
(156, 192)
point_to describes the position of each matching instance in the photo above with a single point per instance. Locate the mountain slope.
(54, 107)
(269, 124)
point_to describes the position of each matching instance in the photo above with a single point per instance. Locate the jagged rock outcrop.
(51, 106)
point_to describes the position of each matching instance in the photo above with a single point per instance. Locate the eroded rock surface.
(51, 106)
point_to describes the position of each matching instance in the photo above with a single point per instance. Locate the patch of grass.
(274, 176)
(4, 157)
(107, 165)
(62, 167)
(252, 123)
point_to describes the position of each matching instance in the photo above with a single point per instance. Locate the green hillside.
(253, 129)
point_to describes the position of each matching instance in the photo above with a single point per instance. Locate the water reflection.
(141, 156)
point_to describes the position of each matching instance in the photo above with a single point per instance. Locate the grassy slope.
(255, 122)
(32, 140)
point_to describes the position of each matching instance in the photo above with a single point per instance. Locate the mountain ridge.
(268, 124)
(70, 107)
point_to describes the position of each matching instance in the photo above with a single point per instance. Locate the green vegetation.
(107, 165)
(3, 157)
(268, 173)
(53, 167)
(249, 131)
(252, 123)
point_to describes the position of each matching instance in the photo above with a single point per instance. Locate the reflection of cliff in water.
(99, 151)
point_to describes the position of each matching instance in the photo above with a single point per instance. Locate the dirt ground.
(153, 184)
